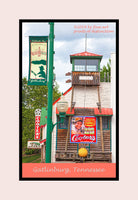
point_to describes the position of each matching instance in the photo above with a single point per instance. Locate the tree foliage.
(33, 97)
(105, 72)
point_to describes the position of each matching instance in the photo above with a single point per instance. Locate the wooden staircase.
(61, 141)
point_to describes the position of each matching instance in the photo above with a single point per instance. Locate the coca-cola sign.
(83, 129)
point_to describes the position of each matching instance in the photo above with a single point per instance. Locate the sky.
(70, 39)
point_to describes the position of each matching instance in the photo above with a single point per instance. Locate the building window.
(89, 65)
(63, 125)
(92, 68)
(105, 123)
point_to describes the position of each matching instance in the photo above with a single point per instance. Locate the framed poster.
(93, 107)
(83, 129)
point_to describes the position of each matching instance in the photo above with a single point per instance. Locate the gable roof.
(85, 54)
(63, 95)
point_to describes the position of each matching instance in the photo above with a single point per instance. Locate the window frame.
(59, 124)
(108, 122)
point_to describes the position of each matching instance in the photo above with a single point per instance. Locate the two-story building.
(86, 97)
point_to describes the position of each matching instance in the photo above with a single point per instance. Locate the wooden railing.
(91, 157)
(86, 78)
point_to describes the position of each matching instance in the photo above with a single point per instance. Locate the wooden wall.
(76, 80)
(61, 141)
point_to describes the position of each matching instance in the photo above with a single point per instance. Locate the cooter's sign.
(83, 129)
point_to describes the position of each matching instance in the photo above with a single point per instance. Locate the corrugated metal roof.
(104, 111)
(93, 111)
(68, 111)
(84, 111)
(85, 53)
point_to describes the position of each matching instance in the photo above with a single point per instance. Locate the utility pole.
(50, 94)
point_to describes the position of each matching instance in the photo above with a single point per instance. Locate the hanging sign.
(86, 78)
(37, 123)
(83, 129)
(33, 145)
(38, 53)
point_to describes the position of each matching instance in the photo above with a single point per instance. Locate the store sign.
(33, 144)
(85, 78)
(38, 53)
(83, 129)
(37, 123)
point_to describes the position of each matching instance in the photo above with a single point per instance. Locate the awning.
(69, 112)
(93, 111)
(104, 111)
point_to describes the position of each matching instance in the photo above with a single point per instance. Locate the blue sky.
(70, 39)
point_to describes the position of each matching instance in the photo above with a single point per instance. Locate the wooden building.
(87, 97)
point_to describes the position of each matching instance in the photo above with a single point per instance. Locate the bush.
(29, 151)
(32, 151)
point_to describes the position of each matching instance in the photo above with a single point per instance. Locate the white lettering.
(85, 78)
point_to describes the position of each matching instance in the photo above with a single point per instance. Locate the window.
(105, 123)
(90, 65)
(63, 125)
(79, 68)
(92, 68)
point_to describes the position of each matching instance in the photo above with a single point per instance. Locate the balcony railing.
(96, 156)
(86, 78)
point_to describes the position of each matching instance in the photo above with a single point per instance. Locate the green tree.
(105, 72)
(33, 97)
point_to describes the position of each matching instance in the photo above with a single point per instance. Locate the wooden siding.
(98, 146)
(77, 81)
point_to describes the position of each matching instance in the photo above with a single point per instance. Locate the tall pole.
(50, 94)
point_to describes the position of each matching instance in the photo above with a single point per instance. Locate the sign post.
(50, 94)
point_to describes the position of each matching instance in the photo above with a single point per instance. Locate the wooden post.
(101, 127)
(66, 145)
(68, 131)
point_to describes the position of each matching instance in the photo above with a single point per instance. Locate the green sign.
(38, 53)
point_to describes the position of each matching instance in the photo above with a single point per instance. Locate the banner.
(83, 129)
(37, 123)
(38, 53)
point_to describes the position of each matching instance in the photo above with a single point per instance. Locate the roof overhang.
(69, 112)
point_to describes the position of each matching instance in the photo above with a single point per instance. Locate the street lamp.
(62, 107)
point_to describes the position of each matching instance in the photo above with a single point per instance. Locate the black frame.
(21, 21)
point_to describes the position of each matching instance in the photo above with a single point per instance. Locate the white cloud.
(67, 43)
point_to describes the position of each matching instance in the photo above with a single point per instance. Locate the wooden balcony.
(86, 78)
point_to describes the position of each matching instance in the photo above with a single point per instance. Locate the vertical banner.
(83, 129)
(38, 53)
(37, 123)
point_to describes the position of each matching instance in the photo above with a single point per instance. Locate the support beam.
(68, 131)
(101, 127)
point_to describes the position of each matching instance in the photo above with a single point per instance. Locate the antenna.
(86, 42)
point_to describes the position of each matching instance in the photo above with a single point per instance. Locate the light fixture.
(62, 107)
